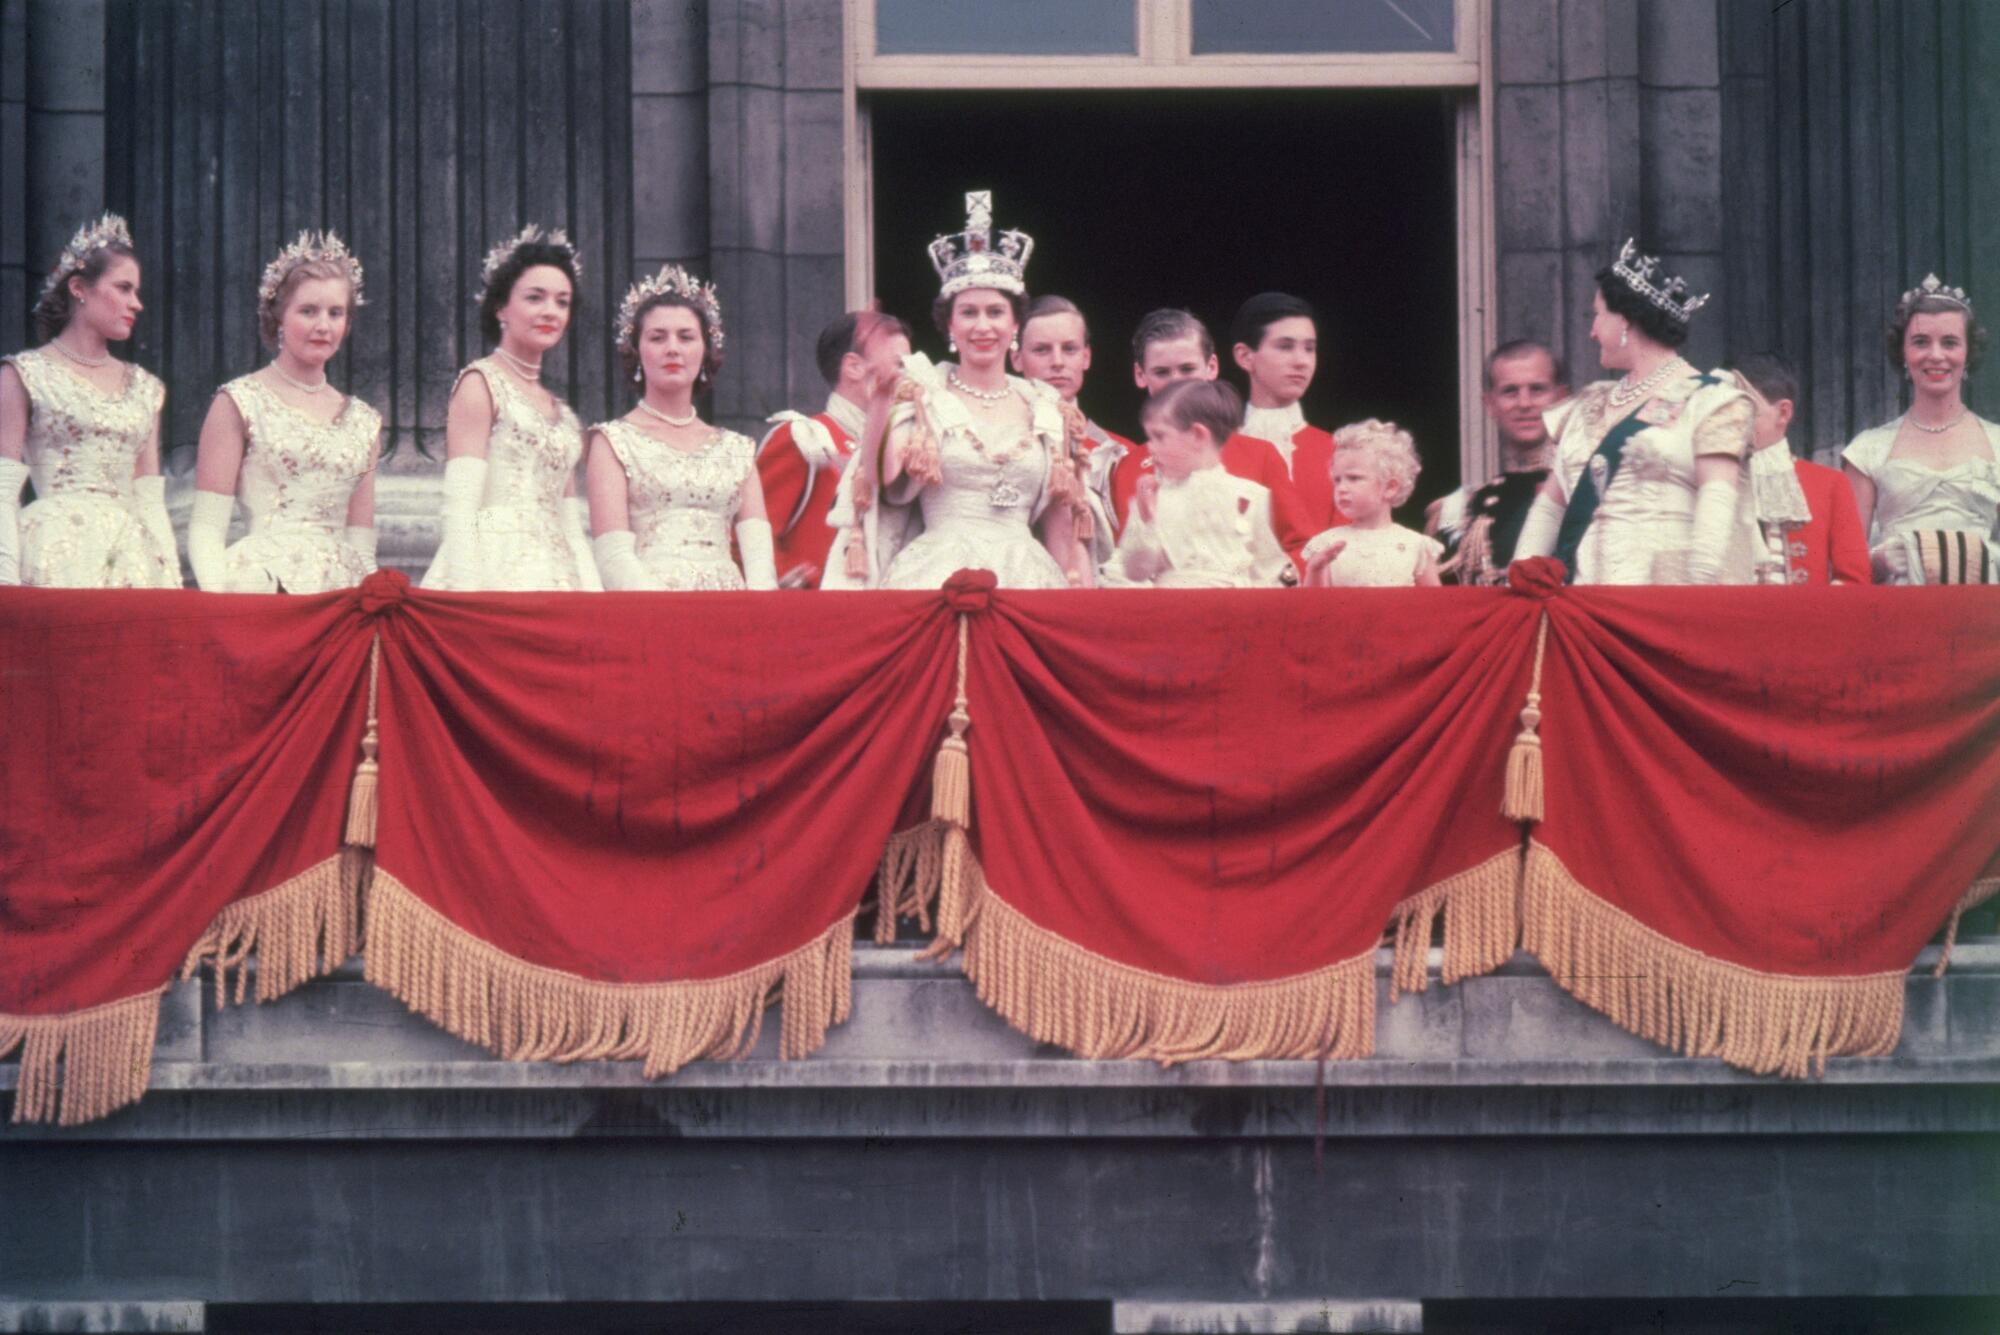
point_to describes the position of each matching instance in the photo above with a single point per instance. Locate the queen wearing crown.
(512, 519)
(666, 487)
(962, 465)
(86, 427)
(1928, 484)
(1646, 486)
(298, 453)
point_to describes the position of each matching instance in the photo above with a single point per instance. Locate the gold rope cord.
(361, 797)
(1482, 924)
(526, 1012)
(1522, 798)
(1695, 1004)
(1057, 992)
(105, 1055)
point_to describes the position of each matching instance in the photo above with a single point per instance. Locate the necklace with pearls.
(78, 357)
(651, 411)
(1963, 413)
(526, 369)
(297, 383)
(984, 395)
(1631, 391)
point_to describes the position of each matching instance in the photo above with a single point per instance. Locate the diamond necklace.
(650, 410)
(1630, 391)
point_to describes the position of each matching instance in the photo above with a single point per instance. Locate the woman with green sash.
(1647, 485)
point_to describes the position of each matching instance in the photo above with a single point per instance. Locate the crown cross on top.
(1641, 273)
(976, 257)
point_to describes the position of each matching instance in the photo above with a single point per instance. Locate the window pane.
(1005, 27)
(1303, 26)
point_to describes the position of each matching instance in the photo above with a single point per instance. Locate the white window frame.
(1165, 59)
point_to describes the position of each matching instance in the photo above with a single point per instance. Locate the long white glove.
(760, 562)
(149, 499)
(464, 488)
(362, 540)
(618, 557)
(1891, 561)
(208, 535)
(13, 476)
(1715, 515)
(1541, 528)
(576, 513)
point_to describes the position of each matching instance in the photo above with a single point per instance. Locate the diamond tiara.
(676, 281)
(108, 230)
(1932, 288)
(976, 258)
(1642, 274)
(529, 235)
(310, 248)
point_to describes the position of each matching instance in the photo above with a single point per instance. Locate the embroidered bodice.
(80, 439)
(530, 457)
(299, 471)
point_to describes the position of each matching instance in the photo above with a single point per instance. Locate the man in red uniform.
(1830, 547)
(1055, 349)
(1172, 345)
(801, 459)
(1275, 341)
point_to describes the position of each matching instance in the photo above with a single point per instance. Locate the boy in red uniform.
(1275, 341)
(800, 461)
(1170, 346)
(1829, 547)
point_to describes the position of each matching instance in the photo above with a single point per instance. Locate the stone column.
(15, 261)
(775, 155)
(64, 124)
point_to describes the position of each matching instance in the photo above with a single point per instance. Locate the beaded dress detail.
(298, 475)
(682, 503)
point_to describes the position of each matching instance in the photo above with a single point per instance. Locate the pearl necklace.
(298, 384)
(984, 395)
(650, 410)
(1963, 413)
(526, 369)
(1628, 391)
(78, 357)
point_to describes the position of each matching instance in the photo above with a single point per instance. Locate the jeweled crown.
(108, 230)
(978, 258)
(529, 235)
(1933, 289)
(1642, 274)
(674, 280)
(310, 248)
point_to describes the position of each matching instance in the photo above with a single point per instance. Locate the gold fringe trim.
(1482, 924)
(1057, 992)
(1522, 798)
(906, 882)
(1980, 892)
(300, 930)
(361, 797)
(525, 1012)
(105, 1054)
(1695, 1004)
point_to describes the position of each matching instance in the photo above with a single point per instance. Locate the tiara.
(671, 280)
(109, 230)
(1641, 271)
(310, 248)
(973, 259)
(1933, 289)
(528, 236)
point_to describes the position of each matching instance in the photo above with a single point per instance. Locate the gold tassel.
(104, 1054)
(1695, 1004)
(1523, 798)
(951, 812)
(1980, 892)
(525, 1012)
(361, 798)
(1057, 992)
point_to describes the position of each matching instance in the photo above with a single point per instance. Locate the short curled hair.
(1651, 321)
(501, 289)
(1393, 450)
(1899, 326)
(1166, 326)
(1186, 404)
(941, 308)
(271, 314)
(57, 307)
(711, 355)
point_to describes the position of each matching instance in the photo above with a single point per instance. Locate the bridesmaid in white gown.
(297, 452)
(972, 468)
(511, 517)
(86, 427)
(1928, 483)
(666, 488)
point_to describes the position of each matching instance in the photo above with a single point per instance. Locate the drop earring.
(952, 344)
(1624, 335)
(1015, 346)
